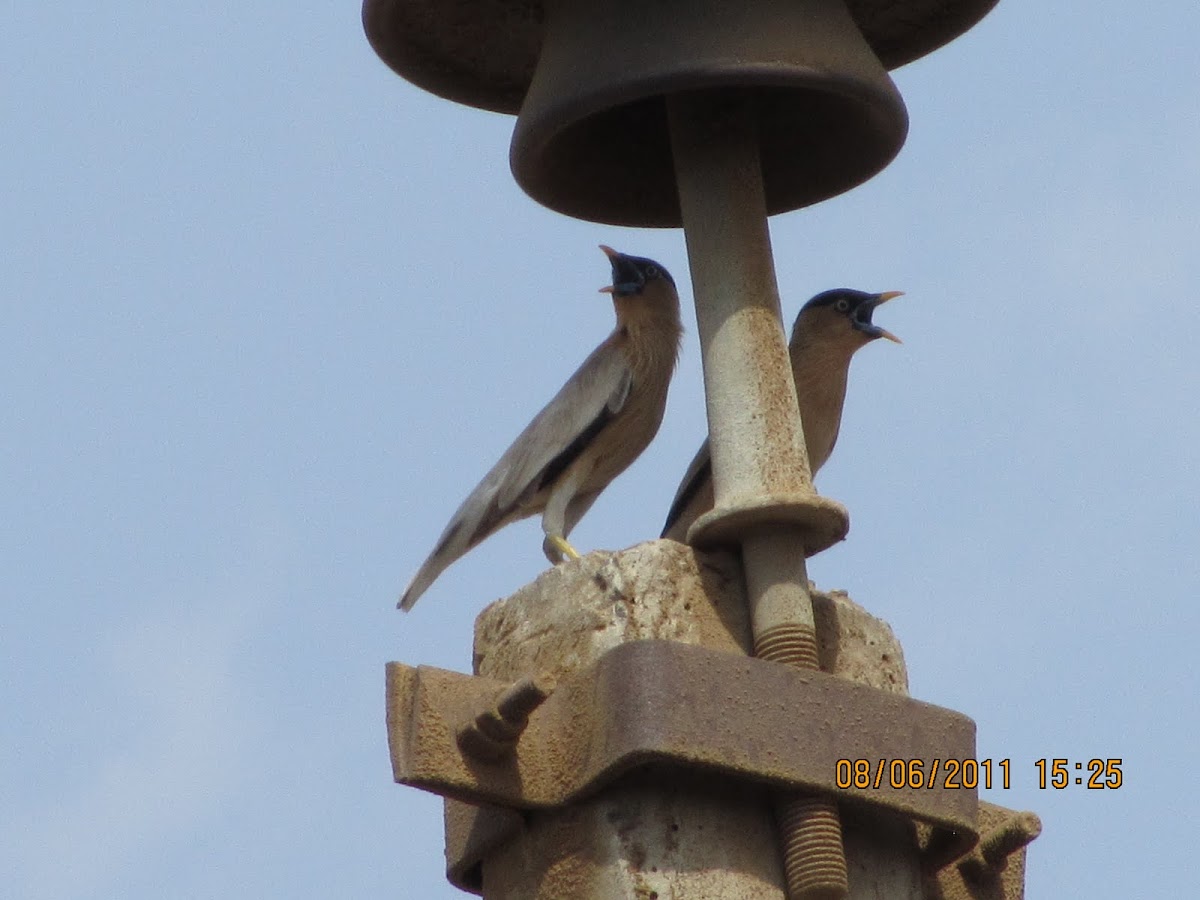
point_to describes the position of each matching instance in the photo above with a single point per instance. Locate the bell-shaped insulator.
(590, 78)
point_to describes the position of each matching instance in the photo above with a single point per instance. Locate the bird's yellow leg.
(554, 516)
(557, 548)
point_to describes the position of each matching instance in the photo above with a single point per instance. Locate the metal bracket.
(650, 702)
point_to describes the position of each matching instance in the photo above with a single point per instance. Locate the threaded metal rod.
(754, 420)
(781, 616)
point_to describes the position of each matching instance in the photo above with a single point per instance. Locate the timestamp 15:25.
(1059, 773)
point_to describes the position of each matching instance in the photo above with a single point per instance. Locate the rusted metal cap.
(590, 78)
(483, 52)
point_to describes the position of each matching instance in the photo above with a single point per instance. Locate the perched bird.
(602, 419)
(828, 331)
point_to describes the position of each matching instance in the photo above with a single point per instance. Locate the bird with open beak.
(829, 330)
(600, 422)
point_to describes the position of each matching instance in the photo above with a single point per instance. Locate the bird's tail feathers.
(475, 520)
(454, 542)
(420, 583)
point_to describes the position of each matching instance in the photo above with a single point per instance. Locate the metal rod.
(753, 417)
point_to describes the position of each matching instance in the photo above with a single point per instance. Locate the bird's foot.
(556, 548)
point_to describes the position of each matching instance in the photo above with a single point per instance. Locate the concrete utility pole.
(617, 739)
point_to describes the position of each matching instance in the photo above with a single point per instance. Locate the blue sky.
(269, 313)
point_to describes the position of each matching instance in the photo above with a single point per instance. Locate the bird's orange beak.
(884, 298)
(611, 254)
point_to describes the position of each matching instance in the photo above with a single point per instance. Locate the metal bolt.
(493, 733)
(995, 847)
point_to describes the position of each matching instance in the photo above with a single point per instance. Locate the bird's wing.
(558, 434)
(548, 445)
(698, 474)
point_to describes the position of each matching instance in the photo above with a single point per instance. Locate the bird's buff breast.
(627, 435)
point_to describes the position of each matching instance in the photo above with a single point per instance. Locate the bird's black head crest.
(857, 307)
(631, 274)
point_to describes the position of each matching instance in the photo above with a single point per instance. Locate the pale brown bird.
(600, 422)
(829, 330)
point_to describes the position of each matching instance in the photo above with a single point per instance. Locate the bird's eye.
(650, 271)
(842, 305)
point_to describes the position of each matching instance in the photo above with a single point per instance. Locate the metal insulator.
(589, 80)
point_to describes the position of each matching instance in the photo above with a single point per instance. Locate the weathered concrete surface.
(668, 835)
(574, 613)
(659, 835)
(662, 590)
